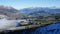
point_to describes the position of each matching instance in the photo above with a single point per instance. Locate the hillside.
(10, 12)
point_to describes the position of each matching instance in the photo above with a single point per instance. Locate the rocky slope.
(10, 12)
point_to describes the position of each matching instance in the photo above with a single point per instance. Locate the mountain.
(40, 11)
(10, 12)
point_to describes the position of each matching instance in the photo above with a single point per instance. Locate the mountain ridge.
(46, 9)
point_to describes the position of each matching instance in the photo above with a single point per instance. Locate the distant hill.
(40, 11)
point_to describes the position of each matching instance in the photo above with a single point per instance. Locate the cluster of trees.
(56, 16)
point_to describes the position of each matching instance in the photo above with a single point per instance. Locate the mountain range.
(40, 11)
(14, 13)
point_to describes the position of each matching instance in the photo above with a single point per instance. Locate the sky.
(20, 4)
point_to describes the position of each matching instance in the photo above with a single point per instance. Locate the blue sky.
(19, 4)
